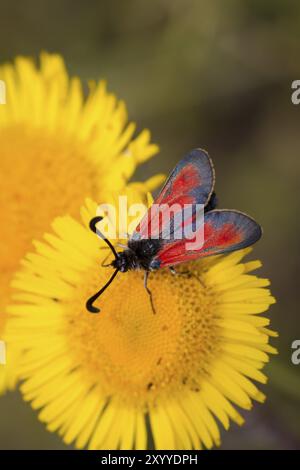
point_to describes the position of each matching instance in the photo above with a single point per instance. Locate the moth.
(149, 249)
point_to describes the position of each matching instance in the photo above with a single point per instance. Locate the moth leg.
(148, 290)
(181, 273)
(185, 273)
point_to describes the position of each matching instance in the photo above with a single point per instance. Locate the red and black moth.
(191, 182)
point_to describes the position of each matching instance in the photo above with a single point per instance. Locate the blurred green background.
(213, 74)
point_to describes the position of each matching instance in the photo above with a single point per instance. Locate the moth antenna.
(94, 229)
(89, 304)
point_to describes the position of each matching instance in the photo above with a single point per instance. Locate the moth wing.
(191, 182)
(224, 231)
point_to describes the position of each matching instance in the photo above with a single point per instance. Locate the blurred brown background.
(213, 74)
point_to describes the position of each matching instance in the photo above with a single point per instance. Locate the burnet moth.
(190, 183)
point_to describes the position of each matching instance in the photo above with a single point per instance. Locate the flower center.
(42, 176)
(137, 354)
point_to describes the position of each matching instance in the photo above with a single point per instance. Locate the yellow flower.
(125, 378)
(56, 149)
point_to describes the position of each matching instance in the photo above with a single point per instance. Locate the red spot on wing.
(187, 179)
(225, 236)
(177, 191)
(214, 240)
